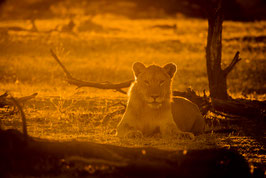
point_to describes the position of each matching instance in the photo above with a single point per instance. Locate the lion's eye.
(161, 82)
(147, 82)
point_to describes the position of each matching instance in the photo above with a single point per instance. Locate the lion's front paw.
(134, 134)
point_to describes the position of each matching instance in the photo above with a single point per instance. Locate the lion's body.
(187, 115)
(150, 108)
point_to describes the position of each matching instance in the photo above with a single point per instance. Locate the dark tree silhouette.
(216, 75)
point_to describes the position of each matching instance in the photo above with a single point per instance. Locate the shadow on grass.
(36, 157)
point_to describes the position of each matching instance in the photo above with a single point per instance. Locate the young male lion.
(150, 108)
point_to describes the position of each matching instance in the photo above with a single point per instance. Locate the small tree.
(216, 75)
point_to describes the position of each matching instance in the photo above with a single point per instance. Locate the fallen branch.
(16, 102)
(61, 65)
(85, 159)
(23, 117)
(235, 107)
(112, 114)
(7, 101)
(235, 60)
(26, 98)
(244, 108)
(79, 83)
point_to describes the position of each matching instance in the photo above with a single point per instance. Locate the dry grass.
(104, 50)
(109, 53)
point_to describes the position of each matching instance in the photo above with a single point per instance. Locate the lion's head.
(153, 83)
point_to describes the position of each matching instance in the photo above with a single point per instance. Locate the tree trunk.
(216, 76)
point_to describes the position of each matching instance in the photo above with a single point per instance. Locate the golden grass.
(62, 112)
(107, 55)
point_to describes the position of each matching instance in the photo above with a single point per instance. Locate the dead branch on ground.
(26, 98)
(23, 117)
(112, 114)
(228, 108)
(85, 159)
(247, 108)
(79, 83)
(8, 101)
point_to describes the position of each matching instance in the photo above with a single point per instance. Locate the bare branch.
(61, 65)
(23, 117)
(248, 109)
(119, 103)
(121, 91)
(79, 83)
(112, 114)
(116, 86)
(5, 100)
(26, 98)
(235, 60)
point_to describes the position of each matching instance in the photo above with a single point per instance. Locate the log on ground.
(51, 158)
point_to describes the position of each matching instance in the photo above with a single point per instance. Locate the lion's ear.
(170, 69)
(138, 67)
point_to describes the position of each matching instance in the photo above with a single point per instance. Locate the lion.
(151, 108)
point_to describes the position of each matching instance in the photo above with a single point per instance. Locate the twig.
(80, 83)
(119, 103)
(112, 114)
(26, 98)
(61, 65)
(224, 114)
(5, 101)
(23, 117)
(235, 60)
(121, 91)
